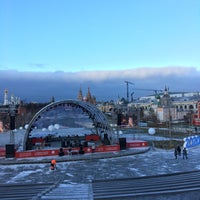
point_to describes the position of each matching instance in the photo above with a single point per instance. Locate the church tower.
(88, 96)
(80, 95)
(5, 97)
(166, 100)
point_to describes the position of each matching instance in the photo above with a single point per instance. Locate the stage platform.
(55, 151)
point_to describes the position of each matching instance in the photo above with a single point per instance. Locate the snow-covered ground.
(154, 162)
(80, 173)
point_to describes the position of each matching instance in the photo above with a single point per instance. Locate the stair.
(71, 191)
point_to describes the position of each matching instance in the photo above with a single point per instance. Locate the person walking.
(185, 153)
(175, 153)
(179, 150)
(53, 165)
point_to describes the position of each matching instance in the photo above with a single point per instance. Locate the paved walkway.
(84, 169)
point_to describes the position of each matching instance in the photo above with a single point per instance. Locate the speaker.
(10, 150)
(12, 122)
(119, 119)
(122, 143)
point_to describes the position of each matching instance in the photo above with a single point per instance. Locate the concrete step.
(71, 191)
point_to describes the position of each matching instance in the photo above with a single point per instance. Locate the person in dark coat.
(61, 152)
(179, 150)
(185, 153)
(175, 153)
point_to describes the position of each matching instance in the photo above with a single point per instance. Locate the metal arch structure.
(99, 120)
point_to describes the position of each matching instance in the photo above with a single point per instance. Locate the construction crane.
(127, 89)
(154, 90)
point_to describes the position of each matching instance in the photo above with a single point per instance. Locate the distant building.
(184, 96)
(13, 100)
(170, 106)
(6, 102)
(1, 126)
(80, 95)
(196, 116)
(166, 111)
(88, 98)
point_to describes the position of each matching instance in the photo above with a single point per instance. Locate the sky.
(55, 47)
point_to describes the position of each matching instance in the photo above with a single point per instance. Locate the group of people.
(177, 152)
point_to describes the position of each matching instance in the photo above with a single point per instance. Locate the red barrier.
(136, 143)
(109, 148)
(55, 152)
(40, 153)
(36, 153)
(37, 140)
(92, 137)
(2, 152)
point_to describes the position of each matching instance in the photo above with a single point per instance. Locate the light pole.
(170, 131)
(138, 116)
(12, 110)
(12, 113)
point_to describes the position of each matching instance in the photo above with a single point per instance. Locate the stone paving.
(152, 162)
(76, 170)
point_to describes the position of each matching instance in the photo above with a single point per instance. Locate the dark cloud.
(105, 85)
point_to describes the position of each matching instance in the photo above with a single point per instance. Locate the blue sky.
(108, 38)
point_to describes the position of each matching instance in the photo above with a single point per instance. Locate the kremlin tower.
(87, 98)
(80, 95)
(6, 102)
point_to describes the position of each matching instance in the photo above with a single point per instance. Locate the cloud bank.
(105, 85)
